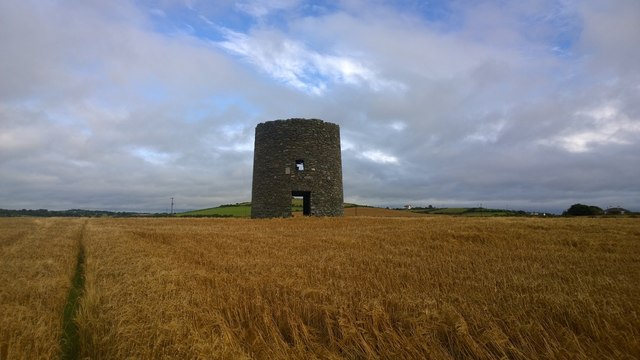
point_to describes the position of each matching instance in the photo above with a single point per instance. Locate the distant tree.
(617, 211)
(583, 210)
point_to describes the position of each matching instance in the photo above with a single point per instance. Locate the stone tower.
(297, 157)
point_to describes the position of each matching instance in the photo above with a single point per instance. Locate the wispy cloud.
(263, 8)
(604, 125)
(380, 157)
(152, 156)
(292, 63)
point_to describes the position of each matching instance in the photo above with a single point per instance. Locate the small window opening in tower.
(300, 165)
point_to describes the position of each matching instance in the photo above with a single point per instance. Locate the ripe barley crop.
(379, 288)
(37, 261)
(362, 288)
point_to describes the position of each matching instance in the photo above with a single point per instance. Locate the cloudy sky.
(119, 105)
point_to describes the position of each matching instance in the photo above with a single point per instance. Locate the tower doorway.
(306, 201)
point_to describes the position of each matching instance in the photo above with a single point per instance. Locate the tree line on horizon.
(591, 210)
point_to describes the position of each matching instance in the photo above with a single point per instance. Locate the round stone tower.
(297, 157)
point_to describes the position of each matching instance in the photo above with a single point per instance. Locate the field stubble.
(362, 288)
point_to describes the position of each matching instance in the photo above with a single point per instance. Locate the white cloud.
(152, 156)
(262, 8)
(487, 132)
(398, 125)
(606, 125)
(291, 62)
(346, 145)
(380, 157)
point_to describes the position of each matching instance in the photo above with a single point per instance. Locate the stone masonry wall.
(278, 145)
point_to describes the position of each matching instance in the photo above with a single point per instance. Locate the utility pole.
(171, 213)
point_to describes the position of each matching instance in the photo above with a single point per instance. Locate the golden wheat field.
(37, 260)
(304, 288)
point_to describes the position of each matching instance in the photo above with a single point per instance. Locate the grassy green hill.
(244, 210)
(234, 210)
(468, 211)
(229, 210)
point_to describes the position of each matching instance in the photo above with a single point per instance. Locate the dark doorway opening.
(306, 201)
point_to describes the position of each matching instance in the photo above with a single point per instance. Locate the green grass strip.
(70, 341)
